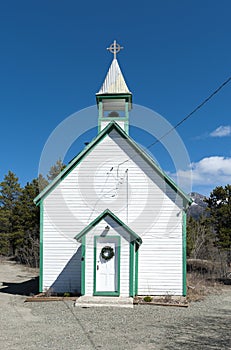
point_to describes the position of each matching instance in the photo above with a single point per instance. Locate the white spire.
(114, 82)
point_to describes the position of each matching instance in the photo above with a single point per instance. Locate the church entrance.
(107, 266)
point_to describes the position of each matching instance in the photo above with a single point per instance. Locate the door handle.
(97, 267)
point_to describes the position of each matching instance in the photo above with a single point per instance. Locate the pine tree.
(27, 211)
(28, 250)
(219, 206)
(10, 191)
(55, 170)
(42, 182)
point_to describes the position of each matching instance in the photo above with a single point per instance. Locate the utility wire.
(187, 116)
(164, 135)
(191, 113)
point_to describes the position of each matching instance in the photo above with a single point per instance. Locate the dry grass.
(198, 286)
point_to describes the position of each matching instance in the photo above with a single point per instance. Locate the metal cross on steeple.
(114, 48)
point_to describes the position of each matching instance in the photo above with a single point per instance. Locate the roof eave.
(127, 96)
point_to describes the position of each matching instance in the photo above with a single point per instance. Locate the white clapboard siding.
(105, 123)
(61, 259)
(134, 192)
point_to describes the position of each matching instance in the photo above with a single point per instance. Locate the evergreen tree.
(55, 170)
(219, 206)
(10, 191)
(28, 223)
(42, 182)
(19, 219)
(25, 208)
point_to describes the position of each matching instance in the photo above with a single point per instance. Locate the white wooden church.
(112, 222)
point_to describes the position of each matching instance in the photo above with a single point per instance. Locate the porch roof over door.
(108, 216)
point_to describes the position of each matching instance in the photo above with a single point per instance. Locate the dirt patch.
(18, 279)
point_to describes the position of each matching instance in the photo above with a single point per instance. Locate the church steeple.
(114, 99)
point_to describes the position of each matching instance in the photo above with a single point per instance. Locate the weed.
(148, 299)
(167, 298)
(198, 287)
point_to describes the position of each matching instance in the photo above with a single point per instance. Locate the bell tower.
(114, 100)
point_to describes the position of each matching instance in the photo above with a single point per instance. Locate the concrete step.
(95, 301)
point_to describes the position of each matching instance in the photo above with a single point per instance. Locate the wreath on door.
(107, 252)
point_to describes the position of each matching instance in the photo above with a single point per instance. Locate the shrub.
(148, 299)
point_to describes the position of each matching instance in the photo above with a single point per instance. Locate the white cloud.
(210, 171)
(221, 131)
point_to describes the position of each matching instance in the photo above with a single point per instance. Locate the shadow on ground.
(201, 333)
(27, 288)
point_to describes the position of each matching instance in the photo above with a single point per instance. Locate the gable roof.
(112, 125)
(114, 82)
(115, 218)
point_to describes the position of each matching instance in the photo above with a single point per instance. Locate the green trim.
(100, 109)
(106, 294)
(126, 127)
(75, 161)
(115, 218)
(116, 119)
(41, 249)
(83, 265)
(92, 144)
(126, 110)
(100, 116)
(117, 292)
(115, 95)
(128, 97)
(119, 119)
(184, 261)
(126, 124)
(94, 277)
(136, 268)
(160, 172)
(118, 265)
(128, 107)
(131, 271)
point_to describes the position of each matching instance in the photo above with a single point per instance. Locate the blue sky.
(53, 60)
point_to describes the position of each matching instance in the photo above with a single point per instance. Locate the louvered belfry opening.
(113, 108)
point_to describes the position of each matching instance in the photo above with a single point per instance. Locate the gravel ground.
(59, 325)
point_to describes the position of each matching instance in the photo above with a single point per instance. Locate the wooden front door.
(106, 276)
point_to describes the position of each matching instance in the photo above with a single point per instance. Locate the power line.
(168, 132)
(191, 113)
(185, 118)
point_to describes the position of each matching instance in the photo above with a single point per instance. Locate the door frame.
(117, 292)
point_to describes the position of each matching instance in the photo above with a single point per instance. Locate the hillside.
(198, 207)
